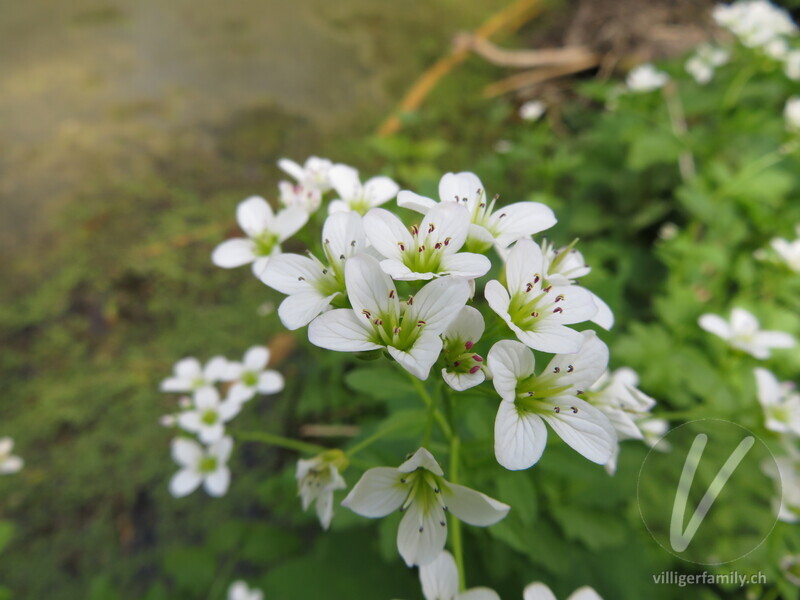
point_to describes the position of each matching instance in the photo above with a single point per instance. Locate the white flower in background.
(537, 311)
(208, 416)
(791, 113)
(419, 490)
(777, 49)
(789, 251)
(702, 63)
(8, 462)
(564, 266)
(312, 175)
(646, 78)
(488, 227)
(168, 420)
(252, 377)
(785, 471)
(428, 250)
(464, 368)
(439, 581)
(317, 479)
(239, 590)
(296, 195)
(744, 334)
(410, 331)
(265, 231)
(756, 23)
(189, 375)
(653, 430)
(310, 285)
(358, 197)
(791, 65)
(615, 394)
(532, 110)
(539, 591)
(553, 396)
(780, 402)
(208, 466)
(790, 566)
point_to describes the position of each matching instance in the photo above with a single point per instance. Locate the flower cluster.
(704, 61)
(218, 391)
(9, 463)
(646, 78)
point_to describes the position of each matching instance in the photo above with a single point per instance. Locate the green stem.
(455, 524)
(737, 85)
(429, 402)
(280, 441)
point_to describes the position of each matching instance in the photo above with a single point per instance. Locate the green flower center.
(265, 243)
(208, 464)
(399, 330)
(460, 358)
(424, 254)
(424, 490)
(532, 390)
(209, 417)
(249, 378)
(531, 305)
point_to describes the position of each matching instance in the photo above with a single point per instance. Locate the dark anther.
(557, 409)
(574, 410)
(558, 309)
(556, 370)
(570, 368)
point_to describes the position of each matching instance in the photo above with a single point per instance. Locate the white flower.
(189, 375)
(8, 462)
(744, 334)
(539, 591)
(791, 65)
(791, 113)
(439, 581)
(317, 479)
(251, 376)
(208, 416)
(564, 266)
(265, 231)
(702, 63)
(536, 310)
(755, 22)
(428, 250)
(312, 175)
(297, 195)
(780, 402)
(358, 197)
(777, 49)
(530, 400)
(419, 490)
(501, 227)
(789, 251)
(208, 466)
(653, 430)
(532, 110)
(646, 78)
(463, 368)
(310, 285)
(615, 394)
(240, 591)
(409, 331)
(785, 470)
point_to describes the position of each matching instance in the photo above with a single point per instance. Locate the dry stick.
(529, 78)
(509, 19)
(524, 58)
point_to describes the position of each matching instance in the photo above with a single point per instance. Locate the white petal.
(6, 446)
(270, 382)
(481, 237)
(291, 273)
(338, 206)
(520, 220)
(453, 186)
(206, 397)
(584, 593)
(577, 304)
(509, 361)
(11, 464)
(240, 392)
(380, 190)
(446, 220)
(341, 331)
(345, 181)
(419, 359)
(497, 298)
(377, 494)
(186, 453)
(216, 369)
(261, 263)
(289, 221)
(604, 316)
(210, 434)
(228, 410)
(463, 381)
(581, 369)
(537, 591)
(256, 358)
(553, 338)
(190, 421)
(221, 449)
(774, 339)
(439, 578)
(422, 534)
(468, 325)
(298, 310)
(292, 168)
(439, 302)
(369, 288)
(588, 431)
(344, 234)
(325, 509)
(233, 253)
(398, 271)
(743, 322)
(184, 482)
(188, 368)
(421, 459)
(519, 437)
(465, 264)
(386, 233)
(525, 262)
(478, 593)
(472, 506)
(716, 325)
(769, 388)
(217, 483)
(254, 216)
(415, 202)
(175, 384)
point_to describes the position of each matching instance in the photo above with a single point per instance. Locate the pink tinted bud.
(469, 345)
(477, 358)
(474, 369)
(457, 364)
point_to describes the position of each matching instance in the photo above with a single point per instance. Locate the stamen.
(366, 313)
(391, 293)
(431, 227)
(438, 246)
(410, 300)
(469, 345)
(536, 278)
(402, 246)
(477, 358)
(474, 369)
(559, 298)
(528, 287)
(558, 309)
(327, 241)
(341, 257)
(547, 289)
(447, 241)
(378, 321)
(301, 278)
(421, 249)
(501, 216)
(353, 244)
(534, 314)
(420, 323)
(570, 368)
(457, 363)
(574, 410)
(324, 271)
(414, 230)
(557, 409)
(557, 370)
(397, 330)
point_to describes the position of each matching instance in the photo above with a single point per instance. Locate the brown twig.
(535, 76)
(524, 58)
